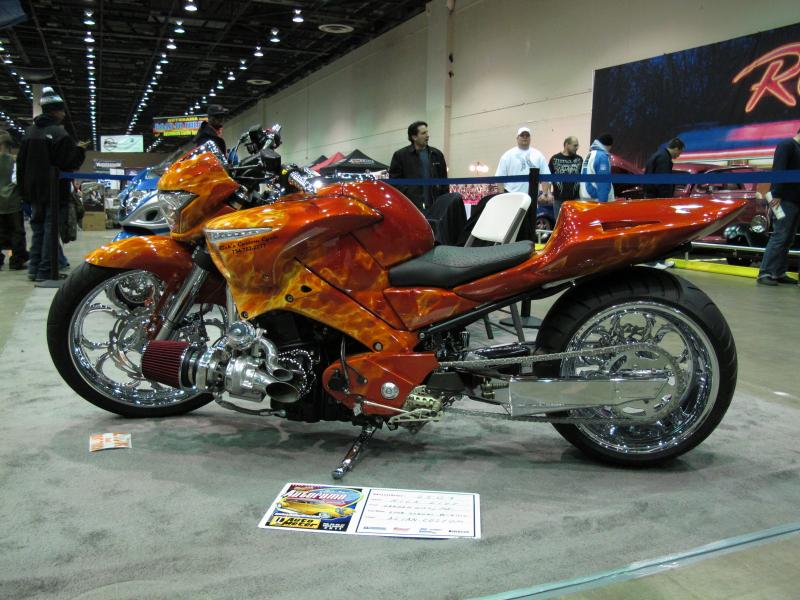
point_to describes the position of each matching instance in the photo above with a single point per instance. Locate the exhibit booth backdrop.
(730, 102)
(514, 62)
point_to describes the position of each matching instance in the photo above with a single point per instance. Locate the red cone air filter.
(162, 361)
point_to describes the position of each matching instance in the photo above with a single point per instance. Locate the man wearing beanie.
(45, 145)
(598, 162)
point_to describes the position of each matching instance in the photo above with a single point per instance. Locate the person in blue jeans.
(46, 146)
(785, 198)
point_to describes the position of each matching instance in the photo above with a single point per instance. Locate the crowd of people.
(46, 145)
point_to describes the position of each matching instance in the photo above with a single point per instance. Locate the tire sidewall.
(597, 295)
(69, 298)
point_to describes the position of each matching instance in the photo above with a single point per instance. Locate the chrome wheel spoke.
(689, 394)
(108, 333)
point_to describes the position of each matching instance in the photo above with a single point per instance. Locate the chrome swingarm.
(633, 395)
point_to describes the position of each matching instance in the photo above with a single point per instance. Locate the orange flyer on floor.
(107, 441)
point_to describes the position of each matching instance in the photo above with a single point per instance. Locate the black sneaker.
(786, 279)
(766, 280)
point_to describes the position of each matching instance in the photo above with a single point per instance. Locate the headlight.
(172, 203)
(759, 224)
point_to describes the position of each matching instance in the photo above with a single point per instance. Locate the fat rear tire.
(69, 299)
(579, 305)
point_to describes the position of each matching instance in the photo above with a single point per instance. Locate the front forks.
(182, 302)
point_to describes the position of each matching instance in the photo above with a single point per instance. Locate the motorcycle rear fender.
(162, 255)
(592, 237)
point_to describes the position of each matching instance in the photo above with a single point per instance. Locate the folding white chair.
(499, 223)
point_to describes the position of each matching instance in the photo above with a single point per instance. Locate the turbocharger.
(243, 363)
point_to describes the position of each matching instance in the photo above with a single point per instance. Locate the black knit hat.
(51, 101)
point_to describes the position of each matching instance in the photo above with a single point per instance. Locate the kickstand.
(367, 431)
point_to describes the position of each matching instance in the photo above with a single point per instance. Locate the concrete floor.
(177, 515)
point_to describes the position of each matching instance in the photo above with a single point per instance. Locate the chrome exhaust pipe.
(275, 368)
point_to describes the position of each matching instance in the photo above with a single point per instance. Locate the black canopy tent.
(355, 162)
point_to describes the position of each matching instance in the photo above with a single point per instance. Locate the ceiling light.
(179, 27)
(212, 93)
(7, 60)
(297, 18)
(219, 85)
(258, 52)
(88, 20)
(164, 59)
(90, 67)
(190, 6)
(336, 28)
(171, 44)
(230, 76)
(274, 39)
(89, 39)
(242, 65)
(2, 48)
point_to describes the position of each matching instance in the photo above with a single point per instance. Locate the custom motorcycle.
(332, 303)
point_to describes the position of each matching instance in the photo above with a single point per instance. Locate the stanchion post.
(55, 233)
(533, 191)
(55, 228)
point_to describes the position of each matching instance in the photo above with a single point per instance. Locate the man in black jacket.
(46, 145)
(419, 161)
(786, 197)
(211, 130)
(445, 211)
(661, 162)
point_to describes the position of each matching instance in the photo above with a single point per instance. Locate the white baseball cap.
(522, 130)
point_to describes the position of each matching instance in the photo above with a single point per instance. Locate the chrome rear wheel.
(642, 305)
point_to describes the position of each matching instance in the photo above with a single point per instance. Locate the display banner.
(175, 126)
(121, 143)
(107, 164)
(730, 102)
(360, 510)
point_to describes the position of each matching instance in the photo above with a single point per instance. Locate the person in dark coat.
(661, 162)
(12, 228)
(785, 204)
(211, 130)
(445, 211)
(419, 161)
(45, 145)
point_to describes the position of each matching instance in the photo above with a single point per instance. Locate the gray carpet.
(176, 516)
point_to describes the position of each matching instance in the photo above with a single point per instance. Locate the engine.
(244, 363)
(278, 374)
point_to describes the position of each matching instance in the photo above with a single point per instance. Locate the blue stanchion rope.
(673, 178)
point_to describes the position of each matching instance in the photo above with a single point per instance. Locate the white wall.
(364, 100)
(515, 62)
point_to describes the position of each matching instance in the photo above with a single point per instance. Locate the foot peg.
(367, 431)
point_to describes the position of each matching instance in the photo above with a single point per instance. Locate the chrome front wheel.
(97, 331)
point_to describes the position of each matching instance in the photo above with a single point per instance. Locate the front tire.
(96, 332)
(651, 306)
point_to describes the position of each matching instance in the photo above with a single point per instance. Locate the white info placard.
(360, 510)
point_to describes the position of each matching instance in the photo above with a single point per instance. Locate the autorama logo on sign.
(775, 79)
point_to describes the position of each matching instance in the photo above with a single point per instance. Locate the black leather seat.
(449, 266)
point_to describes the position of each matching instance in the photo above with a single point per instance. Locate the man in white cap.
(46, 144)
(519, 160)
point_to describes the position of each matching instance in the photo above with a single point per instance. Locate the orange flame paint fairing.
(199, 173)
